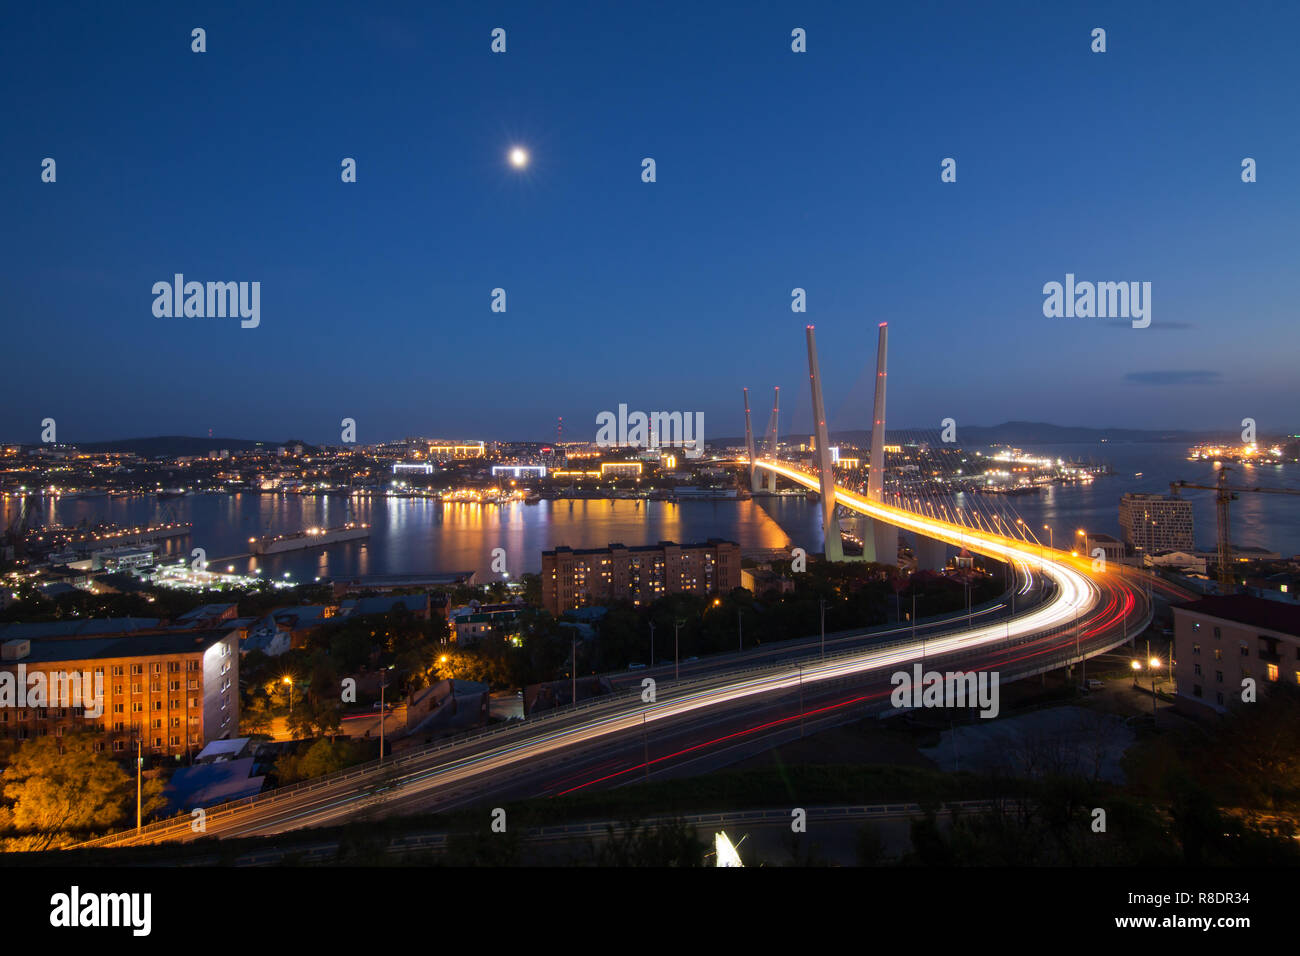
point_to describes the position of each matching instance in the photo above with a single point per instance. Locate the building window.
(1196, 648)
(1219, 695)
(1218, 676)
(1197, 670)
(1245, 649)
(1272, 671)
(1218, 654)
(1217, 633)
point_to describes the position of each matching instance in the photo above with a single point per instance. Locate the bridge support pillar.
(931, 554)
(886, 542)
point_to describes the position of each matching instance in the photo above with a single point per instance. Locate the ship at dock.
(309, 538)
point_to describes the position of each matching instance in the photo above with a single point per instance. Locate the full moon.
(519, 157)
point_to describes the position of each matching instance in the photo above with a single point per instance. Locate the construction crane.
(1225, 493)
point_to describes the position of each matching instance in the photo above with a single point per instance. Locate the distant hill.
(172, 446)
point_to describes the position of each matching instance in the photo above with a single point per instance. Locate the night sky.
(775, 170)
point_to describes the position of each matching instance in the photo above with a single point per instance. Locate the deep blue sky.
(775, 170)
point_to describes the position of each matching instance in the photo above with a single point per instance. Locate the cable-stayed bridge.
(717, 706)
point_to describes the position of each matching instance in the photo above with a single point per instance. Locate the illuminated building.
(573, 579)
(519, 471)
(620, 469)
(1156, 522)
(444, 450)
(176, 690)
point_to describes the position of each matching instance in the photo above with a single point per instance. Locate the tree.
(321, 758)
(61, 785)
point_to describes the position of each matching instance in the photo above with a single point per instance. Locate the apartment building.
(176, 691)
(573, 579)
(1156, 522)
(1222, 640)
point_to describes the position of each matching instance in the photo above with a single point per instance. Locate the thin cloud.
(1174, 377)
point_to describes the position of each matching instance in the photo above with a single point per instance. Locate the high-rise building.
(1153, 523)
(573, 579)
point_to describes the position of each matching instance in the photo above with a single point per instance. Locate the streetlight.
(821, 602)
(677, 655)
(383, 685)
(1154, 664)
(139, 773)
(289, 680)
(1137, 666)
(1051, 537)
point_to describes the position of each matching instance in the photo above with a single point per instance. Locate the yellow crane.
(1225, 493)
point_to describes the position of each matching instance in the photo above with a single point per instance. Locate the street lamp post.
(740, 630)
(383, 712)
(677, 650)
(1051, 538)
(652, 643)
(1154, 663)
(139, 782)
(288, 723)
(822, 604)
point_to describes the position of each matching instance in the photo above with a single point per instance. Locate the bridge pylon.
(830, 523)
(755, 479)
(774, 436)
(884, 543)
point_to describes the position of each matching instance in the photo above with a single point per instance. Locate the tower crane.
(1224, 494)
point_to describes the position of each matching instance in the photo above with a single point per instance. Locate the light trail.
(1076, 597)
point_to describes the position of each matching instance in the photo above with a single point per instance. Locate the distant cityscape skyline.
(1150, 434)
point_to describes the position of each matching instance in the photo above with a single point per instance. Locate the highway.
(700, 721)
